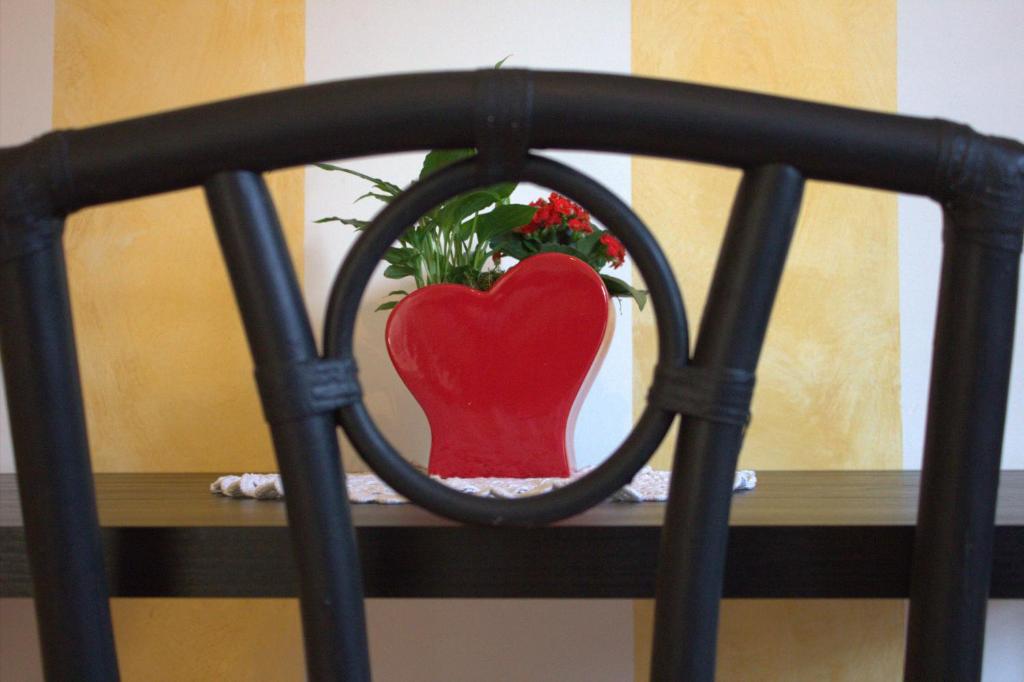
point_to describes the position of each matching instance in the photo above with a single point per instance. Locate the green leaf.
(503, 219)
(439, 158)
(385, 306)
(567, 249)
(502, 61)
(465, 231)
(383, 185)
(501, 191)
(589, 247)
(358, 224)
(463, 206)
(399, 256)
(479, 259)
(616, 287)
(512, 244)
(398, 292)
(587, 244)
(398, 271)
(386, 198)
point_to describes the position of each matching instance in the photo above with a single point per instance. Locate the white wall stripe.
(467, 640)
(961, 61)
(26, 108)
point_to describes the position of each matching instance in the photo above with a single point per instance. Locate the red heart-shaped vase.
(498, 372)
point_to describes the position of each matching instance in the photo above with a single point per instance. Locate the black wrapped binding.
(712, 393)
(503, 117)
(302, 389)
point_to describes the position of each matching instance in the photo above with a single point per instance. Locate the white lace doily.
(649, 485)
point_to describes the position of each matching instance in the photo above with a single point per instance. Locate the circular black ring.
(673, 343)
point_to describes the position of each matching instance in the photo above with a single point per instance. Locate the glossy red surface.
(497, 372)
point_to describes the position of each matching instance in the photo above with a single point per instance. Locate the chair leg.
(52, 455)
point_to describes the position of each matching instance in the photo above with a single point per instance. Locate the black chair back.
(778, 143)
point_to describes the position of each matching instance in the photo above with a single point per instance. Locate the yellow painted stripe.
(182, 640)
(828, 381)
(166, 372)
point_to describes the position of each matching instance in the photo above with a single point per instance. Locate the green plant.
(452, 243)
(462, 240)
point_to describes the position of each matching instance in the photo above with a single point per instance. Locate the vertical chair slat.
(963, 444)
(280, 338)
(51, 451)
(694, 537)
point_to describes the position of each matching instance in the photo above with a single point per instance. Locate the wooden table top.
(798, 534)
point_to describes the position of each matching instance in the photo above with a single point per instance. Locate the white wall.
(961, 61)
(26, 108)
(26, 86)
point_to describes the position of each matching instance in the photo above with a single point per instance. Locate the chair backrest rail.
(183, 148)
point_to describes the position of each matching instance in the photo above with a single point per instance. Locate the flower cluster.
(614, 248)
(557, 212)
(560, 220)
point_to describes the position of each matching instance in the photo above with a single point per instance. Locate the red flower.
(580, 225)
(557, 212)
(549, 216)
(562, 205)
(614, 248)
